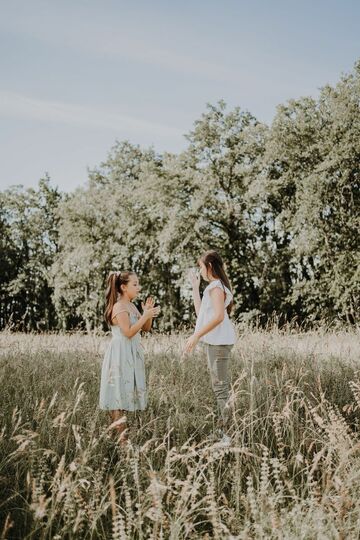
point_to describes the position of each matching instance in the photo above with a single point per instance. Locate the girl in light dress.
(215, 330)
(123, 384)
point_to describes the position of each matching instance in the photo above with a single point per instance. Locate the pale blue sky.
(78, 74)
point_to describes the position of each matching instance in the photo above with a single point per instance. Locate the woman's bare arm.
(218, 303)
(195, 282)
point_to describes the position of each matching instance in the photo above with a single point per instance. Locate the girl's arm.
(150, 303)
(122, 319)
(195, 282)
(218, 302)
(147, 326)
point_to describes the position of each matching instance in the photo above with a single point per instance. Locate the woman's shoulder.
(214, 284)
(218, 283)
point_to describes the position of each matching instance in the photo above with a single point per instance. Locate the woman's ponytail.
(214, 264)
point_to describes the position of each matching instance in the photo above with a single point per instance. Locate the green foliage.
(29, 242)
(280, 203)
(313, 160)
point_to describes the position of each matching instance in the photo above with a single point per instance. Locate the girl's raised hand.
(150, 312)
(194, 278)
(149, 303)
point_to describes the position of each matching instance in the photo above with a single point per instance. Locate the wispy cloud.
(110, 41)
(21, 106)
(123, 46)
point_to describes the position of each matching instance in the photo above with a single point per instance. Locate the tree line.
(280, 203)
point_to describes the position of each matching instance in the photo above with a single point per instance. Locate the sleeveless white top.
(223, 333)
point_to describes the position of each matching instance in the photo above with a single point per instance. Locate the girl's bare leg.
(121, 428)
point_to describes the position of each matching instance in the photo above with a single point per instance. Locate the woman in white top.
(214, 328)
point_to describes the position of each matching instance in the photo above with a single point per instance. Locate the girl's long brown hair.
(113, 289)
(214, 265)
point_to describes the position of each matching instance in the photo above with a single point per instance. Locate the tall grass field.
(292, 471)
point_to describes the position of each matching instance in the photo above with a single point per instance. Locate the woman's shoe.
(224, 442)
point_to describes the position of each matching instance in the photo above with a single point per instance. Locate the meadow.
(292, 472)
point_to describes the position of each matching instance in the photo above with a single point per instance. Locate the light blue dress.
(123, 383)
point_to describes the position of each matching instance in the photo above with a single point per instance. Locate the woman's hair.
(214, 264)
(113, 289)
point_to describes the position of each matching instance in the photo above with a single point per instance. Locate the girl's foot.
(119, 427)
(122, 436)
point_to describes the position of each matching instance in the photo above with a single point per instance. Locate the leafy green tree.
(313, 190)
(204, 198)
(280, 203)
(30, 224)
(8, 262)
(102, 228)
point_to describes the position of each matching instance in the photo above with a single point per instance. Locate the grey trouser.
(218, 357)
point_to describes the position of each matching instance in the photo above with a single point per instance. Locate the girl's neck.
(125, 298)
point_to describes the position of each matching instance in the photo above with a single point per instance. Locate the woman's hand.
(194, 278)
(191, 343)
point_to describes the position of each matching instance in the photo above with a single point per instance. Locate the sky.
(76, 76)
